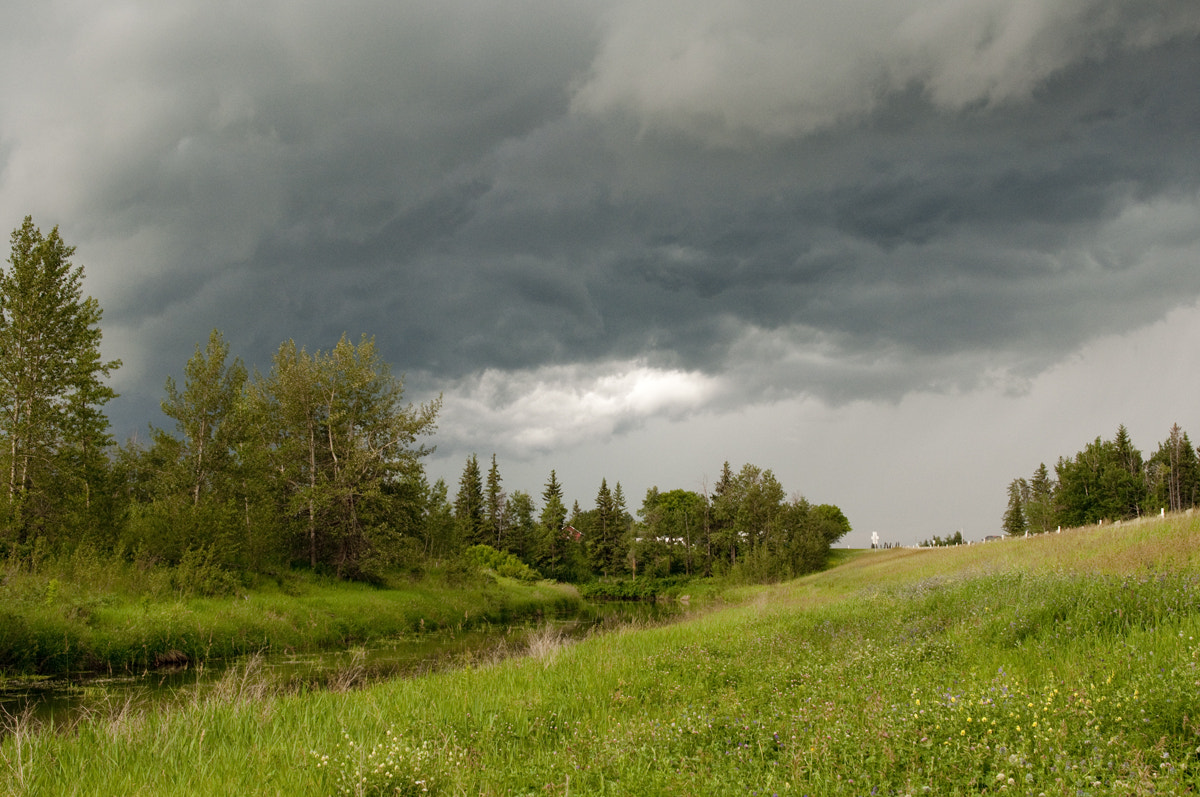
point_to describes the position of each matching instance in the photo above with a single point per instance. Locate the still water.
(60, 702)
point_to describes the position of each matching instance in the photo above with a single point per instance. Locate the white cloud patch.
(544, 409)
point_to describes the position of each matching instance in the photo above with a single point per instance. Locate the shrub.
(502, 563)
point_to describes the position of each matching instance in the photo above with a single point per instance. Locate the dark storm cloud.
(856, 202)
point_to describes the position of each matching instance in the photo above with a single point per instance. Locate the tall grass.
(89, 613)
(1062, 666)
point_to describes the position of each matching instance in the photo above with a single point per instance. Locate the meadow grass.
(1064, 665)
(73, 620)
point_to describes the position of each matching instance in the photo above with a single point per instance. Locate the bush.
(504, 564)
(642, 589)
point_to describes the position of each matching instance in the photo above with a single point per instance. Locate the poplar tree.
(51, 379)
(338, 434)
(206, 415)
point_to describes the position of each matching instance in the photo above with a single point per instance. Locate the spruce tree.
(494, 499)
(468, 504)
(1014, 516)
(554, 514)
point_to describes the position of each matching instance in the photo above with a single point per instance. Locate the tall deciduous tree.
(51, 376)
(1175, 472)
(339, 433)
(206, 415)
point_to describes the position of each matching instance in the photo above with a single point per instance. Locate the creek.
(60, 702)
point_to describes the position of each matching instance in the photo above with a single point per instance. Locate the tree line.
(1108, 480)
(317, 463)
(747, 526)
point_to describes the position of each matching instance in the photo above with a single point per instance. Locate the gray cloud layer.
(854, 200)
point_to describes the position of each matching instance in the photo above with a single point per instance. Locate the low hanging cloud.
(548, 409)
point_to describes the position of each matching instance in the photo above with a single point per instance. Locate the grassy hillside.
(1062, 665)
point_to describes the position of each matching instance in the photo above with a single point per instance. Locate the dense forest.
(316, 464)
(1108, 480)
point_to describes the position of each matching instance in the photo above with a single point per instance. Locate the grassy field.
(1061, 665)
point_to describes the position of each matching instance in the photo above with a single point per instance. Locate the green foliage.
(943, 542)
(554, 550)
(52, 431)
(521, 537)
(1015, 523)
(604, 533)
(1017, 669)
(315, 463)
(210, 420)
(501, 563)
(469, 505)
(336, 433)
(748, 530)
(93, 611)
(635, 589)
(1107, 481)
(497, 521)
(672, 535)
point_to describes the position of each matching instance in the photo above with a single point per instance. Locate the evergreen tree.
(550, 548)
(523, 528)
(724, 509)
(1189, 474)
(602, 541)
(495, 501)
(1015, 524)
(1124, 476)
(1039, 512)
(51, 387)
(469, 505)
(624, 523)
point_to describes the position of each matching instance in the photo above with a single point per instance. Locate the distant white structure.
(874, 539)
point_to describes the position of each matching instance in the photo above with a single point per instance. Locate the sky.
(897, 251)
